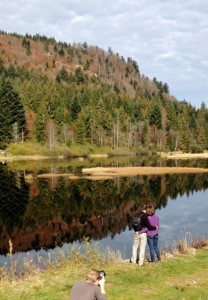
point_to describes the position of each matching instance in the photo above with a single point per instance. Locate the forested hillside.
(57, 93)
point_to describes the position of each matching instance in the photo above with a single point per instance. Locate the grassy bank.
(31, 150)
(35, 151)
(178, 276)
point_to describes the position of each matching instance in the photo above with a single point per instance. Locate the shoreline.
(182, 155)
(189, 277)
(165, 155)
(103, 173)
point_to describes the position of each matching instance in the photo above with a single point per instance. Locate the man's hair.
(143, 207)
(150, 210)
(93, 276)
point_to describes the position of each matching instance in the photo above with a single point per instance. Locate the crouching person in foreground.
(92, 288)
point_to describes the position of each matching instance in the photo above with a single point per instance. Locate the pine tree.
(12, 116)
(156, 123)
(156, 117)
(1, 66)
(40, 127)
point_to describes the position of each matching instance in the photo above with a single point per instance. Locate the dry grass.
(133, 171)
(181, 155)
(102, 173)
(48, 175)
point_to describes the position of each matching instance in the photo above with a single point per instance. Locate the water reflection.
(185, 216)
(43, 213)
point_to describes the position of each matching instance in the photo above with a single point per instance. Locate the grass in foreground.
(181, 276)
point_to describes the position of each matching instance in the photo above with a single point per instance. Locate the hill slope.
(83, 94)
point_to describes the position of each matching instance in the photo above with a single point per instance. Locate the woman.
(152, 236)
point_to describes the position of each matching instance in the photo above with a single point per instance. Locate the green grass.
(75, 150)
(178, 277)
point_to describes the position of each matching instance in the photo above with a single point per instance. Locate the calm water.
(38, 214)
(184, 217)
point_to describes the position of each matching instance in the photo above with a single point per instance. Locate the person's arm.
(144, 230)
(158, 225)
(147, 223)
(101, 294)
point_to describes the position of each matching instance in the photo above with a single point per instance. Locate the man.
(90, 289)
(140, 237)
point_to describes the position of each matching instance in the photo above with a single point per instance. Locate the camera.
(102, 273)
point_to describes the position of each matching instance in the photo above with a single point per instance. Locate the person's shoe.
(132, 262)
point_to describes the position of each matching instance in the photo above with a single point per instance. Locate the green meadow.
(178, 276)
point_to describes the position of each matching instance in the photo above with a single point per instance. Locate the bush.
(196, 149)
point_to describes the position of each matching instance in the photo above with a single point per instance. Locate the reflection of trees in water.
(71, 210)
(195, 163)
(13, 199)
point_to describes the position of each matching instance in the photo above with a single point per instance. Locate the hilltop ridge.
(95, 64)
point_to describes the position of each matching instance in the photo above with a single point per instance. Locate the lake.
(39, 214)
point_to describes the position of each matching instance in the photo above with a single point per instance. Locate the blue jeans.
(153, 247)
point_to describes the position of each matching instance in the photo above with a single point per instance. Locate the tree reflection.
(41, 214)
(13, 199)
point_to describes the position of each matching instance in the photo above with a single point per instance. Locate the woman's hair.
(93, 276)
(150, 210)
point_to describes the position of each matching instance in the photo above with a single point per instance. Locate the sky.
(167, 38)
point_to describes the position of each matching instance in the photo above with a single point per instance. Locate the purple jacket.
(154, 221)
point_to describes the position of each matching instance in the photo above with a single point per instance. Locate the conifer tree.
(11, 113)
(156, 123)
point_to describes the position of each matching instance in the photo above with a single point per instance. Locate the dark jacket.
(145, 222)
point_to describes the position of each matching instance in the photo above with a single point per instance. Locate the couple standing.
(146, 227)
